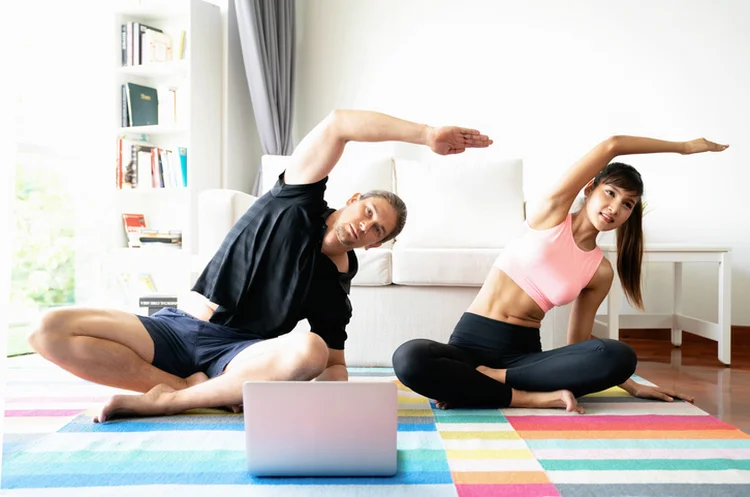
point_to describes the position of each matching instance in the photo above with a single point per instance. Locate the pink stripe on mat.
(62, 397)
(508, 490)
(29, 413)
(591, 418)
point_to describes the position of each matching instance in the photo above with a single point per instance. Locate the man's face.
(364, 223)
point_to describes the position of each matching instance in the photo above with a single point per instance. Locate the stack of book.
(155, 303)
(142, 44)
(142, 165)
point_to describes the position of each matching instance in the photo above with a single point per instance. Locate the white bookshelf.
(197, 127)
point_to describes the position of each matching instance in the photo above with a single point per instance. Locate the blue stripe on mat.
(141, 426)
(136, 426)
(223, 457)
(238, 478)
(221, 463)
(427, 472)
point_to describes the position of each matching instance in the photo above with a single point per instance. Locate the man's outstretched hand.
(448, 140)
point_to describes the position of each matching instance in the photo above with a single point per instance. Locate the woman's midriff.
(500, 298)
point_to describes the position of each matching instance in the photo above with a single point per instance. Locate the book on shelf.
(142, 105)
(167, 107)
(151, 237)
(183, 44)
(156, 46)
(134, 224)
(155, 303)
(138, 234)
(142, 286)
(144, 44)
(142, 165)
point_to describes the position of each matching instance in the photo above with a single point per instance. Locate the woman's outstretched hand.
(448, 140)
(658, 393)
(702, 145)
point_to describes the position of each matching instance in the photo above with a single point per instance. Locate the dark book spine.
(161, 168)
(136, 43)
(134, 162)
(124, 121)
(124, 44)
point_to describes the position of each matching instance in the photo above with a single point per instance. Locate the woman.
(494, 356)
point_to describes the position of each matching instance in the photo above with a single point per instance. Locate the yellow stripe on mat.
(489, 454)
(487, 435)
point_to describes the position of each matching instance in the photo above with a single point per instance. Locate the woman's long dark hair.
(630, 234)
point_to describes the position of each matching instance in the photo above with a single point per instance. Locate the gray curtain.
(266, 29)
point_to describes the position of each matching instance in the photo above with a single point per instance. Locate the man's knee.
(310, 354)
(53, 328)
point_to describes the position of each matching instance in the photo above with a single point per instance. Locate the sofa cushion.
(374, 267)
(460, 205)
(442, 267)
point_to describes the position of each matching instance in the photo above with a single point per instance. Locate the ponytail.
(630, 255)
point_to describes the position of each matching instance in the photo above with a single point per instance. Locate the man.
(288, 258)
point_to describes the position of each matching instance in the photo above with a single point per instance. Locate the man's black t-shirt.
(269, 272)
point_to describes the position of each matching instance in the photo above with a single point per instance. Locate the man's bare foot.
(195, 379)
(234, 409)
(199, 377)
(559, 398)
(443, 405)
(152, 403)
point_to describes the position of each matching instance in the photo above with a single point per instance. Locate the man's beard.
(341, 232)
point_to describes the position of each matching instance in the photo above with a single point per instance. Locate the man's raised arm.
(321, 149)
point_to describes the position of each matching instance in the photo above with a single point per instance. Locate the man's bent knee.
(53, 328)
(310, 355)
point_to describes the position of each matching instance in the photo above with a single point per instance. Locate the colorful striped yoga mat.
(622, 446)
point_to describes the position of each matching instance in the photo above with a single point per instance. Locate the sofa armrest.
(218, 210)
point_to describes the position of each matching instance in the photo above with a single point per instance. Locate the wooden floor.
(695, 370)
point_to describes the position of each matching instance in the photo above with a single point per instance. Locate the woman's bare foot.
(443, 405)
(195, 379)
(559, 398)
(152, 403)
(495, 374)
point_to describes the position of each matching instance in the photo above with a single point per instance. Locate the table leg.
(677, 304)
(725, 309)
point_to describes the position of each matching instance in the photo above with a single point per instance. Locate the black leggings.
(447, 372)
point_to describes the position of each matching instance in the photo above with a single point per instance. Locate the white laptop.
(303, 428)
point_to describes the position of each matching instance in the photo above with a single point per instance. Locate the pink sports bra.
(548, 265)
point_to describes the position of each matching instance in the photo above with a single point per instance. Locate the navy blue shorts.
(184, 345)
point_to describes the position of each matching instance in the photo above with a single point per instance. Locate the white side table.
(720, 331)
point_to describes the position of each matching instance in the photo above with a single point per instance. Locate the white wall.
(547, 80)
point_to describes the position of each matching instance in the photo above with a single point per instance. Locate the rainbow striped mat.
(622, 446)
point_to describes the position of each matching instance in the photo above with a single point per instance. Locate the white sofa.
(461, 212)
